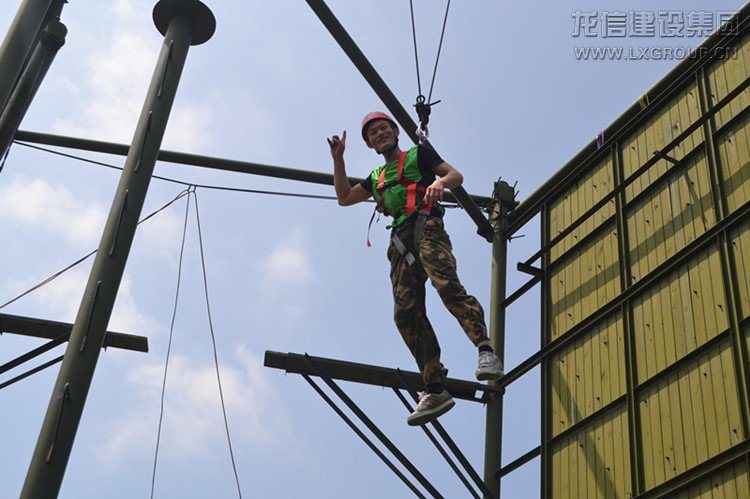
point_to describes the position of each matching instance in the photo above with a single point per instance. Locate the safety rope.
(169, 344)
(424, 105)
(213, 342)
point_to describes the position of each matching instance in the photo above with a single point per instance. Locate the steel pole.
(18, 42)
(505, 201)
(52, 38)
(183, 23)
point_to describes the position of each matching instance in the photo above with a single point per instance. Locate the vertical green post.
(184, 23)
(505, 197)
(18, 42)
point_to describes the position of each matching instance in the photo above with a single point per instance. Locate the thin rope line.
(416, 56)
(440, 46)
(82, 259)
(213, 342)
(181, 182)
(169, 345)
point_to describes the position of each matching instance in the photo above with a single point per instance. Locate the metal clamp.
(166, 67)
(143, 142)
(90, 315)
(64, 397)
(123, 207)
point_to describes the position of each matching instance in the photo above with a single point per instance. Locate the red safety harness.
(413, 189)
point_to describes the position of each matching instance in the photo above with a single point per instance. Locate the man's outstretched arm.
(346, 194)
(448, 178)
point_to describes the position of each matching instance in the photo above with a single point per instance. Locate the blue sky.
(287, 274)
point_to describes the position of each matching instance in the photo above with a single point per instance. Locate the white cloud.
(289, 263)
(285, 275)
(52, 208)
(192, 407)
(117, 80)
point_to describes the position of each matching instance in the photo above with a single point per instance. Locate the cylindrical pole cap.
(203, 20)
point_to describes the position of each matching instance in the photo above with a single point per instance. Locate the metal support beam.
(484, 228)
(50, 41)
(230, 165)
(183, 23)
(41, 328)
(18, 43)
(372, 375)
(493, 443)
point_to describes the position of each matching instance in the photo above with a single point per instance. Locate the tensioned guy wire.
(84, 258)
(180, 182)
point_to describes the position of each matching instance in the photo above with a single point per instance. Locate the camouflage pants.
(435, 260)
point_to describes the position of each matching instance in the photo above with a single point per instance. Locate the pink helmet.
(370, 117)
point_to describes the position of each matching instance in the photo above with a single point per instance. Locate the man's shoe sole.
(488, 376)
(427, 416)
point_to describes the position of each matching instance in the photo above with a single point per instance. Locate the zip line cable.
(82, 259)
(169, 344)
(213, 342)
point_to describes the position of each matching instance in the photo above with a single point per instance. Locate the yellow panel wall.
(680, 314)
(690, 416)
(732, 482)
(594, 462)
(734, 155)
(584, 282)
(587, 375)
(726, 75)
(740, 246)
(573, 203)
(684, 384)
(670, 218)
(657, 132)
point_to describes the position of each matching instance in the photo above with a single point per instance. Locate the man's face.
(381, 135)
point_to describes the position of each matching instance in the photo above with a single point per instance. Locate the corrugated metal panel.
(594, 462)
(680, 314)
(670, 218)
(658, 131)
(588, 279)
(740, 244)
(689, 417)
(584, 194)
(724, 76)
(734, 154)
(733, 482)
(587, 375)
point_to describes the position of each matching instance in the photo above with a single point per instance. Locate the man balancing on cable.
(409, 187)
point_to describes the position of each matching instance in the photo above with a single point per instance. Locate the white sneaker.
(490, 367)
(431, 405)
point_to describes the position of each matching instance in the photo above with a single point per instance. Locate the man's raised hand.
(337, 145)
